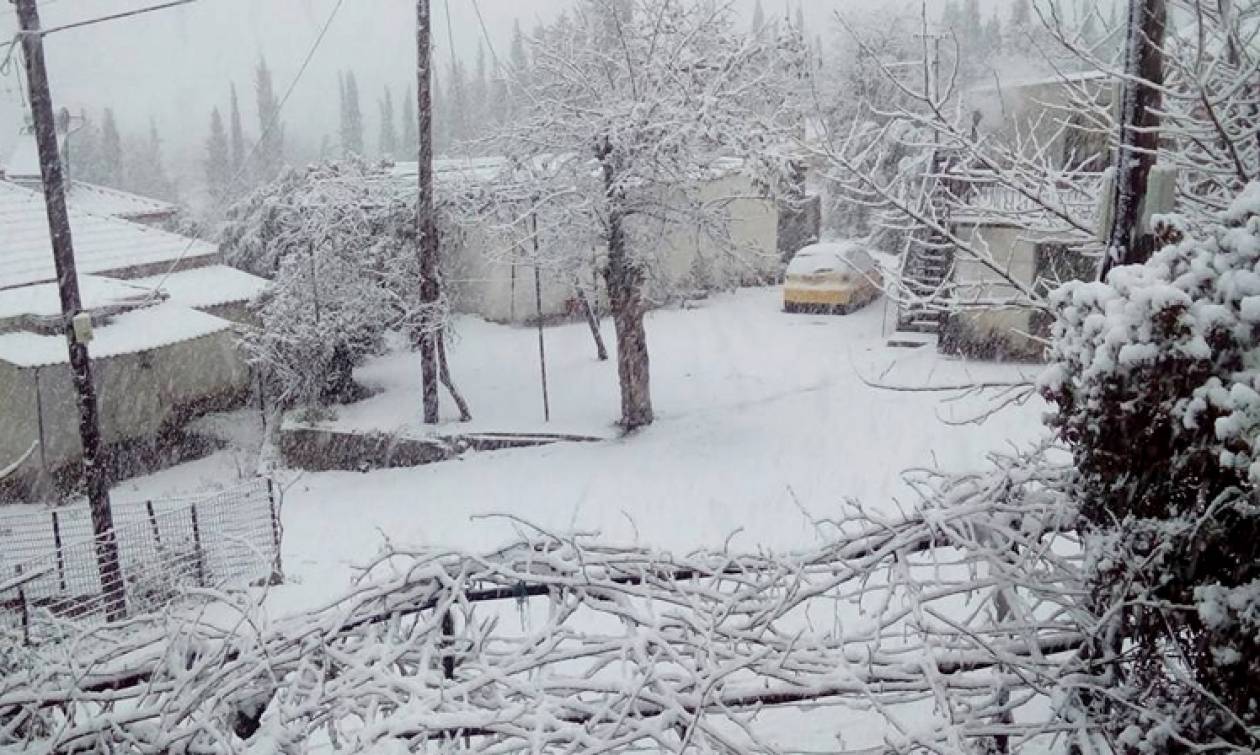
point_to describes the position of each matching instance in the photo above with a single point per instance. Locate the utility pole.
(430, 292)
(1139, 133)
(71, 308)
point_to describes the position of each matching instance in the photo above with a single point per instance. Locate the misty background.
(171, 67)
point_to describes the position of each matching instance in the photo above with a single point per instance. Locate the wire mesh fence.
(50, 559)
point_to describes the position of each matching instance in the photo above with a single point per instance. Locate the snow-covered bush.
(338, 239)
(319, 320)
(1156, 379)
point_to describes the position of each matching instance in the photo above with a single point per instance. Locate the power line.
(114, 17)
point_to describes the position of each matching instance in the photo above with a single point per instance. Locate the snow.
(765, 424)
(42, 299)
(1246, 204)
(128, 333)
(208, 286)
(761, 417)
(842, 255)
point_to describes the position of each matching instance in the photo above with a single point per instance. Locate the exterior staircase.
(926, 270)
(927, 265)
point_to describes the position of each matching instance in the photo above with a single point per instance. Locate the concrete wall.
(995, 332)
(680, 258)
(139, 396)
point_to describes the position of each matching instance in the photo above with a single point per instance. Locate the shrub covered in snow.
(1156, 378)
(339, 241)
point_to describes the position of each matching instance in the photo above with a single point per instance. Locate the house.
(494, 279)
(165, 315)
(1035, 241)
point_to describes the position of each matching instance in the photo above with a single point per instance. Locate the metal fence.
(50, 575)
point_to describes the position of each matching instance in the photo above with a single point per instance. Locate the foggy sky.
(175, 65)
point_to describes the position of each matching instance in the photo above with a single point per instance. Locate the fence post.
(448, 642)
(26, 613)
(277, 567)
(201, 559)
(61, 560)
(157, 534)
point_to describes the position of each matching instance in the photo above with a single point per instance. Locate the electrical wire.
(114, 17)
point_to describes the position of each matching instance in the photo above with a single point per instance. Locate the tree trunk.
(625, 294)
(464, 414)
(588, 309)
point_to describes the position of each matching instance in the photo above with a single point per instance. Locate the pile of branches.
(959, 609)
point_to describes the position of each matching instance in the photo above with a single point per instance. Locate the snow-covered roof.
(129, 333)
(209, 286)
(42, 300)
(1031, 82)
(101, 244)
(102, 200)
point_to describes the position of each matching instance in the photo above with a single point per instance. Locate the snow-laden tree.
(338, 240)
(640, 101)
(1155, 375)
(320, 318)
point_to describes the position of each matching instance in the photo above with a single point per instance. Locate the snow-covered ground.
(761, 417)
(765, 421)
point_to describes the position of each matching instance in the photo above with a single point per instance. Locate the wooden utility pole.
(1139, 133)
(430, 291)
(71, 307)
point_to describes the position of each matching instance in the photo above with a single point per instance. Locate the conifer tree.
(270, 129)
(218, 162)
(83, 152)
(388, 139)
(479, 105)
(237, 136)
(112, 171)
(410, 136)
(351, 116)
